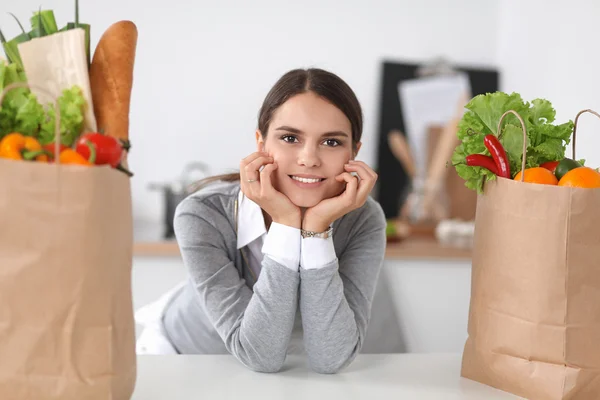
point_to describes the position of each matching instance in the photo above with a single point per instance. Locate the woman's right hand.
(256, 185)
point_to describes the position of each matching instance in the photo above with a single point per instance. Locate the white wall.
(548, 49)
(203, 67)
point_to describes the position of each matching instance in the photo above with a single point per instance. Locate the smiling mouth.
(306, 180)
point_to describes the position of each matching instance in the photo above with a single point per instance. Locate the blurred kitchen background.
(203, 69)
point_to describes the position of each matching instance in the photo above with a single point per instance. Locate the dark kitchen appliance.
(174, 192)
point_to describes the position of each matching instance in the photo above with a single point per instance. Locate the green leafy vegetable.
(12, 51)
(71, 105)
(43, 23)
(546, 141)
(21, 111)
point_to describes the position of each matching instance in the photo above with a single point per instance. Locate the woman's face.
(310, 140)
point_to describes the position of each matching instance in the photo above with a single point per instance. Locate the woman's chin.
(305, 198)
(304, 201)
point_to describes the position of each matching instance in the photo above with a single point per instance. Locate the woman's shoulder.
(369, 216)
(372, 211)
(216, 197)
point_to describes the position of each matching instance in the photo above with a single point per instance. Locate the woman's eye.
(289, 139)
(332, 142)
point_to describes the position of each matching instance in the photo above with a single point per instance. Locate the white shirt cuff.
(316, 252)
(282, 244)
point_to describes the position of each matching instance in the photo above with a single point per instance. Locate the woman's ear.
(260, 144)
(355, 152)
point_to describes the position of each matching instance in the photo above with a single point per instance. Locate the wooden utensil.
(401, 150)
(438, 166)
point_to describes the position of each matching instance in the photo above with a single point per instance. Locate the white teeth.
(306, 180)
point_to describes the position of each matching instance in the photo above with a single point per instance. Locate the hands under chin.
(256, 185)
(322, 215)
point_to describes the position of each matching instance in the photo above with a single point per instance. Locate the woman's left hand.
(321, 216)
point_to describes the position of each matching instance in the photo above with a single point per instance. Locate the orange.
(581, 177)
(538, 175)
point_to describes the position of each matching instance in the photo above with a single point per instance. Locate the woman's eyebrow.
(289, 129)
(299, 132)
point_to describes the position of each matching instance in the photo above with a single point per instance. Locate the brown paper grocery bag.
(66, 314)
(534, 320)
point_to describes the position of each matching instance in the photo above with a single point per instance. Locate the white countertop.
(372, 376)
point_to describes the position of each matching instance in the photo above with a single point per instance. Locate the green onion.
(77, 13)
(18, 22)
(3, 42)
(44, 22)
(12, 51)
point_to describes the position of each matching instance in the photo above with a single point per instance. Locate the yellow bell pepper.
(16, 146)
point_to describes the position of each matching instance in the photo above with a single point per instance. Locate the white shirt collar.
(251, 224)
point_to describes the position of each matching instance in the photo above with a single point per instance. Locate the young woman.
(284, 256)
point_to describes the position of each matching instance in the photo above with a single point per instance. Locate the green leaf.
(512, 141)
(2, 39)
(12, 73)
(469, 125)
(3, 69)
(562, 131)
(20, 110)
(541, 112)
(37, 29)
(71, 107)
(12, 50)
(474, 176)
(29, 116)
(490, 107)
(549, 150)
(18, 22)
(44, 22)
(77, 13)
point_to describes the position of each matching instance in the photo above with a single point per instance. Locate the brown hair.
(325, 84)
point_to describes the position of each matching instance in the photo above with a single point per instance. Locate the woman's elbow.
(267, 366)
(262, 362)
(328, 368)
(332, 365)
(334, 360)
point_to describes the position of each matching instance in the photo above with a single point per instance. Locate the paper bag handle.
(575, 125)
(524, 138)
(16, 85)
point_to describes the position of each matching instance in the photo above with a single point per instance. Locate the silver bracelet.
(322, 235)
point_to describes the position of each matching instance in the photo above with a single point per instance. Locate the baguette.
(111, 78)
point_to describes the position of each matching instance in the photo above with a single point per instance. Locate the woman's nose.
(309, 157)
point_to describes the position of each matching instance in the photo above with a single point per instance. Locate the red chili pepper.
(498, 154)
(480, 160)
(550, 165)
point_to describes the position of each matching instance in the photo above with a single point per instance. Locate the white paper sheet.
(429, 101)
(57, 62)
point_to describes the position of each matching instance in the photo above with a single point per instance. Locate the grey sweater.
(222, 309)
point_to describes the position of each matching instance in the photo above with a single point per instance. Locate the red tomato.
(108, 149)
